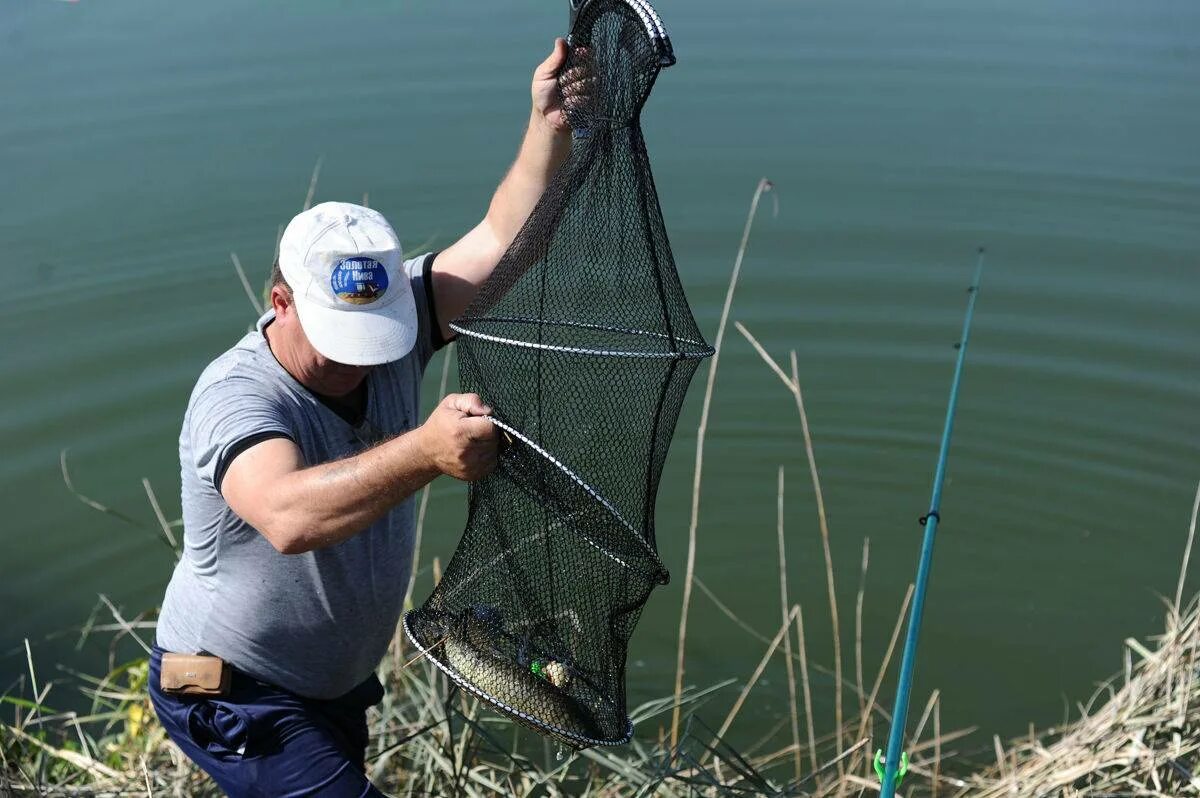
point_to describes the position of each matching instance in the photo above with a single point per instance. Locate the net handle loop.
(655, 31)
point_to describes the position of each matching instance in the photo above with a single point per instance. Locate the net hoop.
(461, 327)
(595, 494)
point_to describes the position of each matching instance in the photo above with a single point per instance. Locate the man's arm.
(461, 269)
(299, 508)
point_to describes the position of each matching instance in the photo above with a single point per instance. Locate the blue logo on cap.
(359, 281)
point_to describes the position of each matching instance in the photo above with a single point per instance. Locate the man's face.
(315, 371)
(330, 378)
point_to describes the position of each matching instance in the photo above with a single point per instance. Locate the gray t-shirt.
(316, 623)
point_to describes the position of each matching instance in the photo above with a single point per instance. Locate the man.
(299, 454)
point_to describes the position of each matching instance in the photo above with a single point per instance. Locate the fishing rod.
(891, 769)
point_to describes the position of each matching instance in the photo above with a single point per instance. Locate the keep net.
(583, 343)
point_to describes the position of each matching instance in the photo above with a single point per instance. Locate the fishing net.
(583, 343)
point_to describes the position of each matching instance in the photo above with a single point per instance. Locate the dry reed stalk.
(125, 625)
(777, 755)
(999, 749)
(730, 614)
(766, 357)
(858, 628)
(887, 659)
(90, 502)
(447, 359)
(764, 185)
(163, 523)
(241, 273)
(1187, 553)
(312, 183)
(793, 385)
(418, 532)
(808, 710)
(37, 705)
(769, 735)
(937, 745)
(948, 737)
(783, 611)
(74, 758)
(840, 762)
(824, 525)
(758, 672)
(916, 735)
(84, 745)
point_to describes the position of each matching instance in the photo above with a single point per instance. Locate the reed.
(793, 385)
(787, 639)
(764, 185)
(245, 281)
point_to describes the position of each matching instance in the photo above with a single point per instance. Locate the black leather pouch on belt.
(194, 674)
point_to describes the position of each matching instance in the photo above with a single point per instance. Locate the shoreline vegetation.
(1137, 735)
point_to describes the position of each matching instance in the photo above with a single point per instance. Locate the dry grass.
(424, 742)
(1139, 735)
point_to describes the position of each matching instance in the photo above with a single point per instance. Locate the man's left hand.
(549, 100)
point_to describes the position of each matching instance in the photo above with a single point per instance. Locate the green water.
(139, 146)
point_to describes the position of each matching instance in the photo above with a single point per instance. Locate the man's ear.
(281, 302)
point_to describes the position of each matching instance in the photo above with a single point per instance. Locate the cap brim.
(361, 338)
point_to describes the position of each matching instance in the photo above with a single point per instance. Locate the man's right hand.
(458, 440)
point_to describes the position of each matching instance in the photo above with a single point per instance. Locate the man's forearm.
(542, 152)
(323, 505)
(463, 267)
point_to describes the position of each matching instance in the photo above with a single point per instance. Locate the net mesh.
(583, 343)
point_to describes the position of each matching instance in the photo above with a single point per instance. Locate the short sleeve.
(226, 418)
(429, 328)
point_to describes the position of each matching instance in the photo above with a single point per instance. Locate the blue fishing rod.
(892, 768)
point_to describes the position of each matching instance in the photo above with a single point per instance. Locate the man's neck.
(349, 406)
(352, 407)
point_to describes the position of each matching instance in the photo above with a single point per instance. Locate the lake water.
(139, 147)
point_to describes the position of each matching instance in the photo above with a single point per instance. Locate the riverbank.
(1138, 735)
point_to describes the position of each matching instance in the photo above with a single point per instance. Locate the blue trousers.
(261, 741)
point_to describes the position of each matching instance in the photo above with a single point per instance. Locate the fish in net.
(583, 344)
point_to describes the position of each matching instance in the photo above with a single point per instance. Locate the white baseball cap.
(344, 265)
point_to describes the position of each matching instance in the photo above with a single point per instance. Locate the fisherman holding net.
(300, 452)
